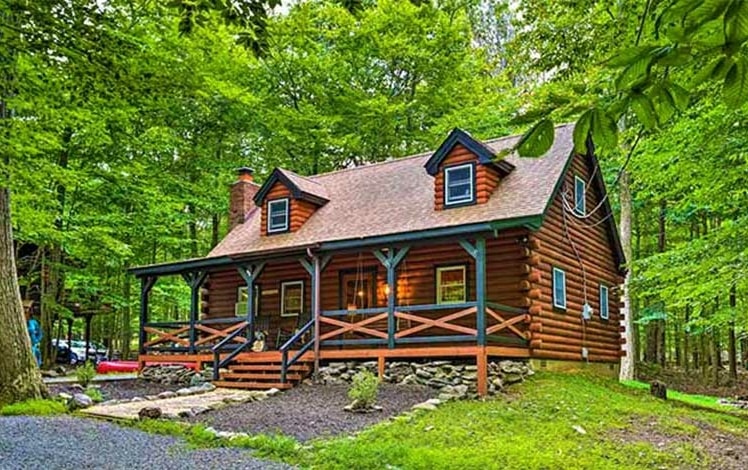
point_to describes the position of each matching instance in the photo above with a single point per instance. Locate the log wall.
(583, 249)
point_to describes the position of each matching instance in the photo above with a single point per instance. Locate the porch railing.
(414, 323)
(175, 336)
(286, 347)
(219, 362)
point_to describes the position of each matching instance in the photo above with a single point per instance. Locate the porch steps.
(262, 373)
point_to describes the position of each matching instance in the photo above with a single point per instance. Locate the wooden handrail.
(217, 362)
(344, 312)
(285, 362)
(417, 308)
(506, 308)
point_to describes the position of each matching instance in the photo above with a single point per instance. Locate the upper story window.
(559, 288)
(580, 192)
(278, 216)
(458, 185)
(604, 303)
(451, 285)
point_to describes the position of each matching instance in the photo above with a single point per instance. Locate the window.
(458, 185)
(240, 307)
(451, 286)
(580, 192)
(292, 298)
(559, 288)
(278, 216)
(604, 303)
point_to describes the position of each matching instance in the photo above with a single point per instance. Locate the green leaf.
(604, 130)
(629, 56)
(681, 97)
(537, 140)
(635, 74)
(735, 89)
(642, 106)
(674, 55)
(582, 131)
(664, 104)
(736, 22)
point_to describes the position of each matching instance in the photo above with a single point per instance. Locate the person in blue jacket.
(35, 334)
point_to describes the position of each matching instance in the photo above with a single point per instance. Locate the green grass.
(33, 408)
(700, 401)
(534, 428)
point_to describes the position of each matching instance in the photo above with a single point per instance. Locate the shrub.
(364, 389)
(33, 408)
(95, 394)
(85, 373)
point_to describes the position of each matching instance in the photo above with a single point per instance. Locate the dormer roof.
(485, 155)
(301, 187)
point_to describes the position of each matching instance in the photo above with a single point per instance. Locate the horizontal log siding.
(299, 210)
(486, 178)
(559, 334)
(506, 269)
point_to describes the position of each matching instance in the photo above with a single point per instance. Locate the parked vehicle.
(77, 353)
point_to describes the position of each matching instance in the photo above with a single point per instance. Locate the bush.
(364, 389)
(85, 373)
(94, 394)
(33, 408)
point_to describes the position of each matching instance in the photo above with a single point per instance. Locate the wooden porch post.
(478, 252)
(315, 271)
(390, 261)
(250, 273)
(195, 280)
(146, 284)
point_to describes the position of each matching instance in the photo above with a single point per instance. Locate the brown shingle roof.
(398, 197)
(306, 185)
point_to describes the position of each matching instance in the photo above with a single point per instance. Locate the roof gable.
(300, 187)
(485, 155)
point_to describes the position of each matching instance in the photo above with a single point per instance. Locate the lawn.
(552, 421)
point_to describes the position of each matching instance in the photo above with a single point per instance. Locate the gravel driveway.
(70, 443)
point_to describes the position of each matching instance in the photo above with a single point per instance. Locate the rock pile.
(168, 374)
(453, 380)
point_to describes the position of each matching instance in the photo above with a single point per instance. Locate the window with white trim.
(604, 302)
(559, 288)
(278, 216)
(458, 185)
(451, 285)
(292, 298)
(580, 192)
(240, 307)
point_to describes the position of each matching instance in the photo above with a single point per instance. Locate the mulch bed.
(120, 389)
(312, 411)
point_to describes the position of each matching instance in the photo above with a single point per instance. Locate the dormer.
(465, 171)
(288, 200)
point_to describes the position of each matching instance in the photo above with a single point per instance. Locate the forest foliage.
(129, 121)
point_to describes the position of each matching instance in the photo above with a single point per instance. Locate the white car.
(96, 352)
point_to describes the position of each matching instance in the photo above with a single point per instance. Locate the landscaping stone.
(453, 380)
(168, 374)
(79, 401)
(167, 394)
(64, 396)
(150, 412)
(424, 406)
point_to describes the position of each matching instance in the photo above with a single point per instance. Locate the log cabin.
(469, 252)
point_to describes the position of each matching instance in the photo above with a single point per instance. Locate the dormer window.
(278, 216)
(580, 191)
(458, 183)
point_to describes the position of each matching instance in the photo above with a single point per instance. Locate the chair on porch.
(284, 335)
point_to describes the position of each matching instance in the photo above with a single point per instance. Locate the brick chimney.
(242, 192)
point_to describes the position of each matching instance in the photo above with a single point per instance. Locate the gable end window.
(604, 303)
(580, 193)
(451, 285)
(459, 184)
(278, 216)
(559, 288)
(292, 298)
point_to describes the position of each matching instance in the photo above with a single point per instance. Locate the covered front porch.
(363, 302)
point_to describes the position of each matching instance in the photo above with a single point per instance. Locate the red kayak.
(113, 367)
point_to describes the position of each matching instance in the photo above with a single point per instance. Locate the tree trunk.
(216, 226)
(628, 362)
(732, 349)
(661, 325)
(19, 375)
(126, 337)
(686, 352)
(715, 357)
